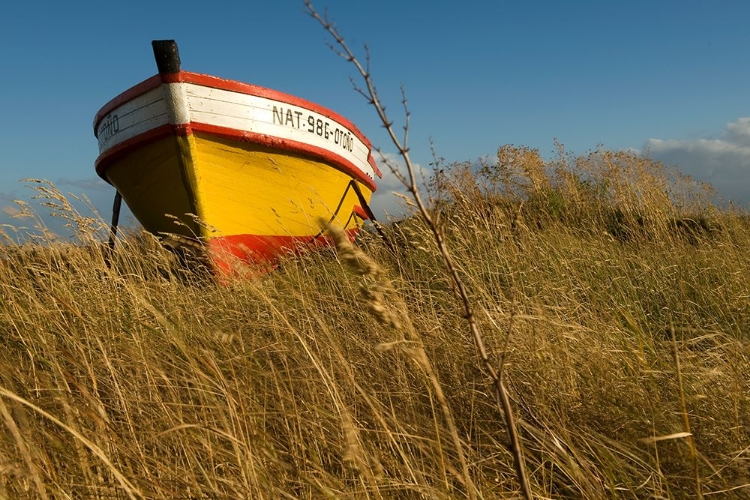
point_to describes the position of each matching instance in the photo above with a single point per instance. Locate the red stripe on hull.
(227, 251)
(325, 155)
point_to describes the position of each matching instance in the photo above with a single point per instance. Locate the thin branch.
(371, 95)
(407, 116)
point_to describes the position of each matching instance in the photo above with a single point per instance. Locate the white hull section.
(196, 105)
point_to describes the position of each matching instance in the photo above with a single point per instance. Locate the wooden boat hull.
(248, 171)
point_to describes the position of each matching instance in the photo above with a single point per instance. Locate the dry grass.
(149, 381)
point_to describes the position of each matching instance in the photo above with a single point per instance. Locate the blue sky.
(670, 77)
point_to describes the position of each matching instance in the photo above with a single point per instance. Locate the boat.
(246, 171)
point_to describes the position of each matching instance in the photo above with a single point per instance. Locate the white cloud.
(739, 131)
(722, 162)
(385, 201)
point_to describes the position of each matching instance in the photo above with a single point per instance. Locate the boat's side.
(259, 201)
(256, 202)
(259, 168)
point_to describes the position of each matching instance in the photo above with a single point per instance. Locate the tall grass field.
(612, 293)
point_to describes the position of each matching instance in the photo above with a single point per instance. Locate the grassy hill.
(610, 291)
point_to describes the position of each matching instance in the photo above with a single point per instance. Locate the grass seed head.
(374, 286)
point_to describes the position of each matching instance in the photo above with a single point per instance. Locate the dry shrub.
(621, 193)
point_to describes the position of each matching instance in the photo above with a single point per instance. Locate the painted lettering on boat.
(314, 125)
(286, 117)
(109, 127)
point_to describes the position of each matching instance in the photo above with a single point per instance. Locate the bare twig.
(411, 185)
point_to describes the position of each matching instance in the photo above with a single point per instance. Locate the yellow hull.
(244, 188)
(251, 201)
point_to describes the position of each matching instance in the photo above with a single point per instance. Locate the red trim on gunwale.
(332, 159)
(232, 86)
(126, 96)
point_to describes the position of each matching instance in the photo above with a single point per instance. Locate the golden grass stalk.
(685, 417)
(130, 490)
(374, 288)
